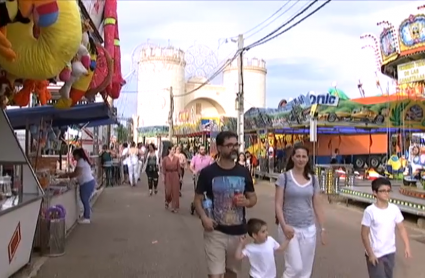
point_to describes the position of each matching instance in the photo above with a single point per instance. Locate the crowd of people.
(226, 180)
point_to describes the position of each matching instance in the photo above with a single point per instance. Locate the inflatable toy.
(112, 46)
(102, 75)
(82, 68)
(80, 87)
(58, 41)
(22, 98)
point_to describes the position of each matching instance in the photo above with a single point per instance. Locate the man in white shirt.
(378, 231)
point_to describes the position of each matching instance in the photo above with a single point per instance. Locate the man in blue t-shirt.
(230, 187)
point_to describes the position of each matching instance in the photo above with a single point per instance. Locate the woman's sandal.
(166, 205)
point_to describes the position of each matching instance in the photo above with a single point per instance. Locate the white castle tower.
(159, 69)
(254, 78)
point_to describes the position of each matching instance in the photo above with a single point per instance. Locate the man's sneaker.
(84, 221)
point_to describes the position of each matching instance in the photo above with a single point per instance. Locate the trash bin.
(57, 231)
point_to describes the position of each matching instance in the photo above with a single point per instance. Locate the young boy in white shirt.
(260, 253)
(378, 231)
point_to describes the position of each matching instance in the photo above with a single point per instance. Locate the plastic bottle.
(208, 206)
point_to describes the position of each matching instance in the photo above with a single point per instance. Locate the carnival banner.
(374, 112)
(412, 38)
(153, 131)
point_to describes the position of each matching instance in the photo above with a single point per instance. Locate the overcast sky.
(323, 49)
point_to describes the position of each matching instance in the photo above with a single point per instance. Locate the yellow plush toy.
(46, 56)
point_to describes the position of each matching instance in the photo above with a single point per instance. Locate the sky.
(324, 49)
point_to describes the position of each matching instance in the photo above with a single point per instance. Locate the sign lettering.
(411, 72)
(325, 99)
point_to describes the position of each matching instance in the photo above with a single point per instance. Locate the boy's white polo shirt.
(382, 223)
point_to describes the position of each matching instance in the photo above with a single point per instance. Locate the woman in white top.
(84, 176)
(132, 163)
(124, 159)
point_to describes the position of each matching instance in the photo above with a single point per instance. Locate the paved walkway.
(132, 236)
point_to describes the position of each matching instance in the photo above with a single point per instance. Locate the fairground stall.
(192, 132)
(367, 137)
(270, 133)
(48, 153)
(400, 55)
(62, 46)
(20, 202)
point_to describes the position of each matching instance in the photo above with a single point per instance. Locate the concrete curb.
(37, 262)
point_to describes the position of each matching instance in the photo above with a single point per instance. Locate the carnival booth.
(51, 42)
(20, 203)
(192, 134)
(45, 126)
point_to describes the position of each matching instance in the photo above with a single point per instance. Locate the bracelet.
(323, 229)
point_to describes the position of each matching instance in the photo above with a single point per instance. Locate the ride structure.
(370, 133)
(400, 55)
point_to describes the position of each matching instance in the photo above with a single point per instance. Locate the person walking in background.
(86, 181)
(171, 169)
(297, 207)
(242, 160)
(230, 188)
(183, 164)
(151, 167)
(378, 232)
(200, 161)
(124, 161)
(106, 160)
(133, 162)
(141, 155)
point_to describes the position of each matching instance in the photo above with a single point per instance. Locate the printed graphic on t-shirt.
(224, 188)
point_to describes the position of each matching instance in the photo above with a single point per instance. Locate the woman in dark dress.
(152, 168)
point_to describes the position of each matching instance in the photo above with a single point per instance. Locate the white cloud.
(330, 38)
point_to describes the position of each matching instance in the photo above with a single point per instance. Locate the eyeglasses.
(385, 191)
(234, 146)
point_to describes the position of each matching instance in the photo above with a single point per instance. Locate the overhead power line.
(268, 24)
(271, 37)
(283, 25)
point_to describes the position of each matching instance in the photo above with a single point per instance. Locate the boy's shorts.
(384, 268)
(220, 250)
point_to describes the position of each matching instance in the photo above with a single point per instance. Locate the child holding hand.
(260, 253)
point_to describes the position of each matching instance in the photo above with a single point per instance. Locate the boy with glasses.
(378, 231)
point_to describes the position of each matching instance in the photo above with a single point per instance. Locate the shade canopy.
(84, 113)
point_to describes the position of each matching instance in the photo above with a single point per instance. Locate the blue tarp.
(79, 114)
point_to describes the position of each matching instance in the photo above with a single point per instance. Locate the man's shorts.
(220, 250)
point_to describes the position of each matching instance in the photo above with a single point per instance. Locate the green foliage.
(397, 112)
(122, 133)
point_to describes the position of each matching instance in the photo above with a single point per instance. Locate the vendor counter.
(18, 221)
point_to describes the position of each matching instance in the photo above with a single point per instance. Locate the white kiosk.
(20, 202)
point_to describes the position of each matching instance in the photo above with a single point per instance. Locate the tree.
(122, 133)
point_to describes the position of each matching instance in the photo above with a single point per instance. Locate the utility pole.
(240, 96)
(109, 130)
(170, 115)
